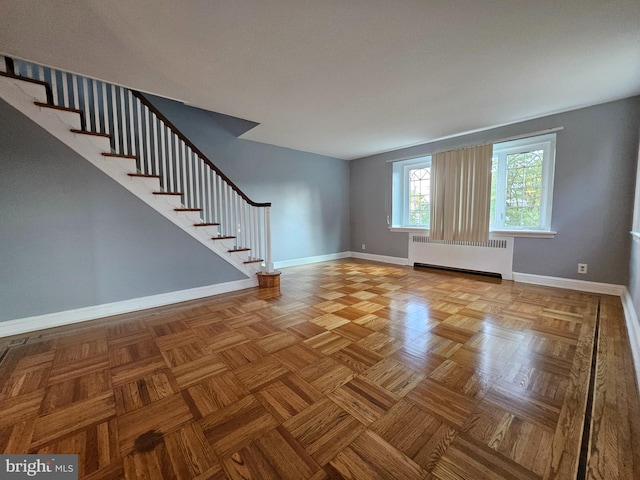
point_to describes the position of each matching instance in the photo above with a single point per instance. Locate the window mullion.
(406, 192)
(501, 197)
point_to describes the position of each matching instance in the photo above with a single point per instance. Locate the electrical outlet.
(363, 246)
(582, 268)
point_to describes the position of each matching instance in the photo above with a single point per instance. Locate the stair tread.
(58, 107)
(187, 209)
(143, 175)
(206, 224)
(254, 261)
(233, 250)
(118, 155)
(168, 193)
(224, 237)
(87, 132)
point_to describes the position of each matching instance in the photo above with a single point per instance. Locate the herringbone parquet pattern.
(351, 370)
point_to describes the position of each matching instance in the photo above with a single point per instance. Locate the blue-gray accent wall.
(71, 237)
(596, 156)
(309, 193)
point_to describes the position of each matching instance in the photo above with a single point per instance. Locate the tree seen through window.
(524, 189)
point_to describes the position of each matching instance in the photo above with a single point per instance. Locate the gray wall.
(309, 193)
(71, 237)
(634, 262)
(592, 201)
(634, 280)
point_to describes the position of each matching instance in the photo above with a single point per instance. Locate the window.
(411, 191)
(522, 184)
(521, 187)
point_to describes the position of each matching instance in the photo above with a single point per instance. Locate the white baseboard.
(307, 260)
(633, 330)
(335, 256)
(40, 322)
(571, 284)
(380, 258)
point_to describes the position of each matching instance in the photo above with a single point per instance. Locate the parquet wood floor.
(351, 369)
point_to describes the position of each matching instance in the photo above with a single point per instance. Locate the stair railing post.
(268, 264)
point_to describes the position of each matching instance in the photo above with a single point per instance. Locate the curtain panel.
(461, 194)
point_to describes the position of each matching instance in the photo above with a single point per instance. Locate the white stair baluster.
(186, 175)
(208, 187)
(156, 149)
(191, 177)
(114, 117)
(87, 109)
(180, 165)
(200, 190)
(105, 109)
(40, 73)
(122, 114)
(168, 158)
(76, 97)
(161, 156)
(149, 129)
(96, 106)
(227, 207)
(133, 150)
(54, 87)
(243, 223)
(140, 137)
(214, 198)
(65, 90)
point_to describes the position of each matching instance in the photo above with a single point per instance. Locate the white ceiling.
(346, 78)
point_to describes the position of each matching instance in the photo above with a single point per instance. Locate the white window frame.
(546, 143)
(400, 189)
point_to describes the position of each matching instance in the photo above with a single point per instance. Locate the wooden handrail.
(188, 142)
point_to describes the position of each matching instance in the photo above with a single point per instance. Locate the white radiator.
(493, 256)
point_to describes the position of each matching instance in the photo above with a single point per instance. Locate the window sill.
(523, 233)
(409, 230)
(496, 233)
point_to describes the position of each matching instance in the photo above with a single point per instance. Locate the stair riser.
(174, 201)
(208, 231)
(153, 184)
(68, 118)
(32, 91)
(127, 164)
(191, 217)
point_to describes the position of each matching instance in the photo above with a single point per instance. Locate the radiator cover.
(493, 256)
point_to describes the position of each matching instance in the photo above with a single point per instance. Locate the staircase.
(120, 132)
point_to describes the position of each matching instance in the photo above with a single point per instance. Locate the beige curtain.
(461, 194)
